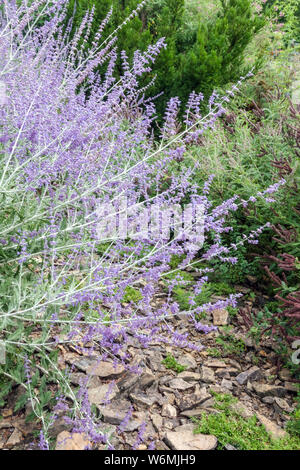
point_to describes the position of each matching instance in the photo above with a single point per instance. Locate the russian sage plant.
(74, 139)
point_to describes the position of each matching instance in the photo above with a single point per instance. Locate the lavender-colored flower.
(74, 139)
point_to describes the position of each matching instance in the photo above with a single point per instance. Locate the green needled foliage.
(200, 56)
(216, 57)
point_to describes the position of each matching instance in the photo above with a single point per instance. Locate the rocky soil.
(163, 401)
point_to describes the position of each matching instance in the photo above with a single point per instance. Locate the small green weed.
(244, 434)
(170, 363)
(213, 352)
(230, 345)
(131, 295)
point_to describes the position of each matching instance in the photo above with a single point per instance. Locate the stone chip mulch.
(164, 401)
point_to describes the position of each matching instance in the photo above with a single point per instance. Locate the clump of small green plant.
(232, 311)
(103, 248)
(294, 424)
(131, 295)
(170, 363)
(175, 261)
(182, 296)
(185, 276)
(223, 400)
(213, 352)
(221, 288)
(230, 345)
(244, 434)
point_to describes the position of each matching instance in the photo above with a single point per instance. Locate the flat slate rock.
(180, 384)
(264, 390)
(187, 440)
(251, 374)
(103, 394)
(76, 441)
(115, 413)
(194, 400)
(188, 361)
(272, 428)
(145, 400)
(207, 375)
(215, 363)
(105, 370)
(220, 317)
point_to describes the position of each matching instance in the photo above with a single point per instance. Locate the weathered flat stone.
(215, 388)
(165, 379)
(78, 378)
(248, 341)
(169, 411)
(208, 403)
(241, 410)
(185, 427)
(180, 384)
(60, 424)
(146, 379)
(268, 400)
(105, 370)
(234, 364)
(26, 428)
(128, 382)
(271, 427)
(272, 390)
(83, 363)
(253, 373)
(103, 394)
(189, 376)
(14, 439)
(207, 375)
(227, 384)
(5, 424)
(188, 361)
(186, 440)
(194, 400)
(220, 317)
(222, 373)
(282, 405)
(162, 446)
(145, 400)
(114, 413)
(194, 413)
(157, 421)
(76, 441)
(132, 425)
(216, 363)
